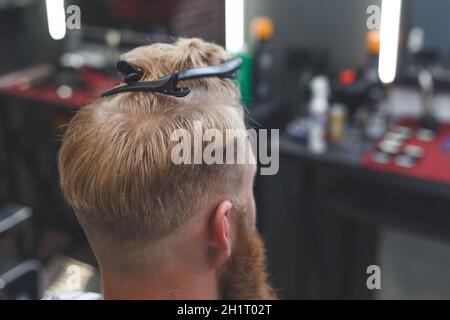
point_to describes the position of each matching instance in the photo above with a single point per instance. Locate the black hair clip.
(129, 71)
(168, 84)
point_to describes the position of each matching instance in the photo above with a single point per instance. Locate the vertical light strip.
(389, 35)
(234, 25)
(56, 17)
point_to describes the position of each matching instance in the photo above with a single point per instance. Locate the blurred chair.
(22, 282)
(18, 280)
(13, 219)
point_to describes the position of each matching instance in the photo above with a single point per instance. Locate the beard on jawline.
(245, 276)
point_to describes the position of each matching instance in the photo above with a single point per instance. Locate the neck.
(176, 286)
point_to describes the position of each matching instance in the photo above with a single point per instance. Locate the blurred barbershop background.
(359, 89)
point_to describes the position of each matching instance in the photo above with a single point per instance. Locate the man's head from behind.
(160, 229)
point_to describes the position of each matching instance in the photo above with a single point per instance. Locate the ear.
(220, 232)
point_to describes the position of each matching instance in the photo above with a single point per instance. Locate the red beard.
(245, 276)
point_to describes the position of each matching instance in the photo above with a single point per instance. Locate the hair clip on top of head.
(168, 84)
(129, 71)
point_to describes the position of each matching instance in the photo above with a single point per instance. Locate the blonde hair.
(115, 161)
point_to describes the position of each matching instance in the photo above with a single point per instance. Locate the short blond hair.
(115, 161)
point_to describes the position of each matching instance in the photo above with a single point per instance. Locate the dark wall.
(339, 26)
(433, 17)
(24, 36)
